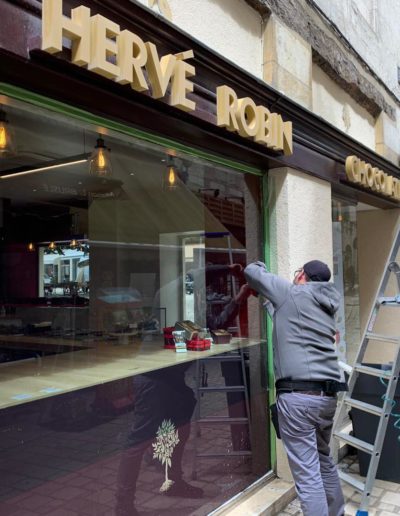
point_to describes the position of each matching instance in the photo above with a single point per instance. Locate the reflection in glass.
(109, 409)
(345, 275)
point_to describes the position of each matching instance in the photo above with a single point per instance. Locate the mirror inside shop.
(125, 319)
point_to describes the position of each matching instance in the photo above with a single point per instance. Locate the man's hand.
(244, 292)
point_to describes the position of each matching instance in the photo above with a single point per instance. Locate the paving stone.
(69, 493)
(377, 491)
(386, 506)
(391, 497)
(34, 502)
(384, 484)
(8, 509)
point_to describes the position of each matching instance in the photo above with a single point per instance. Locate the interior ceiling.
(42, 137)
(56, 186)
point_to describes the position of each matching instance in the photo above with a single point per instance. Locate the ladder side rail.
(246, 390)
(342, 408)
(197, 416)
(383, 282)
(381, 431)
(395, 268)
(373, 313)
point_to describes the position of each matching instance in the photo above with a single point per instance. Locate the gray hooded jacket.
(304, 325)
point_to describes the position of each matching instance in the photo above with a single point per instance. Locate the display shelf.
(98, 363)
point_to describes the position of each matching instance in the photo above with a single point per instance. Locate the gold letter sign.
(372, 178)
(122, 56)
(250, 121)
(101, 46)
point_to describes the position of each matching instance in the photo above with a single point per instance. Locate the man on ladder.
(307, 378)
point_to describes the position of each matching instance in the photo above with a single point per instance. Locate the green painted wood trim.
(85, 116)
(268, 322)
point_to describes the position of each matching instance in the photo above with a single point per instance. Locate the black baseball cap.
(317, 271)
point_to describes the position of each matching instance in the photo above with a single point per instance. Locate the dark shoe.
(184, 490)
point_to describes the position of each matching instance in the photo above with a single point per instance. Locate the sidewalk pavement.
(385, 499)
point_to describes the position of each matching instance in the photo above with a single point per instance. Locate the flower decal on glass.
(167, 439)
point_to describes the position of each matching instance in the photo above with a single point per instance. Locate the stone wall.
(333, 53)
(231, 28)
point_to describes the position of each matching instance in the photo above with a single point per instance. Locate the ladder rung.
(226, 454)
(353, 441)
(365, 407)
(357, 484)
(224, 420)
(383, 338)
(345, 367)
(389, 301)
(373, 371)
(229, 388)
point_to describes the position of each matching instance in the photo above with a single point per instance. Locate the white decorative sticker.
(167, 439)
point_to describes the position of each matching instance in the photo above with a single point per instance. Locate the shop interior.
(105, 241)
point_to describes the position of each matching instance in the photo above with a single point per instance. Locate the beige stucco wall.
(230, 27)
(337, 107)
(376, 232)
(300, 230)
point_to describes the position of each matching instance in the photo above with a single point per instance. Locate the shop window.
(108, 246)
(345, 275)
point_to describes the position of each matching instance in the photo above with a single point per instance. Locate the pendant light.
(100, 161)
(171, 174)
(31, 247)
(7, 143)
(52, 246)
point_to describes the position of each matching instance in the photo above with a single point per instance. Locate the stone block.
(386, 138)
(287, 62)
(287, 83)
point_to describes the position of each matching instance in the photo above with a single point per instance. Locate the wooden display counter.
(98, 363)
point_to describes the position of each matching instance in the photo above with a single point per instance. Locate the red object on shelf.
(169, 342)
(198, 345)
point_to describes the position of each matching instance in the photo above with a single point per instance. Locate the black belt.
(328, 386)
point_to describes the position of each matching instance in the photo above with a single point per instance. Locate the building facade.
(149, 150)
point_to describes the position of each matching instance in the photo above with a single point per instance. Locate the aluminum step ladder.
(202, 387)
(390, 378)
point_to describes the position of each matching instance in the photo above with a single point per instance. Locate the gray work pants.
(305, 423)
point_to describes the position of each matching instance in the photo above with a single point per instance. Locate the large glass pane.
(102, 258)
(345, 275)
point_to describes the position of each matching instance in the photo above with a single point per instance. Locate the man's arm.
(269, 285)
(230, 311)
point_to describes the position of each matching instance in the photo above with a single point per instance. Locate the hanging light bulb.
(100, 161)
(340, 216)
(73, 243)
(31, 247)
(52, 246)
(7, 147)
(171, 177)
